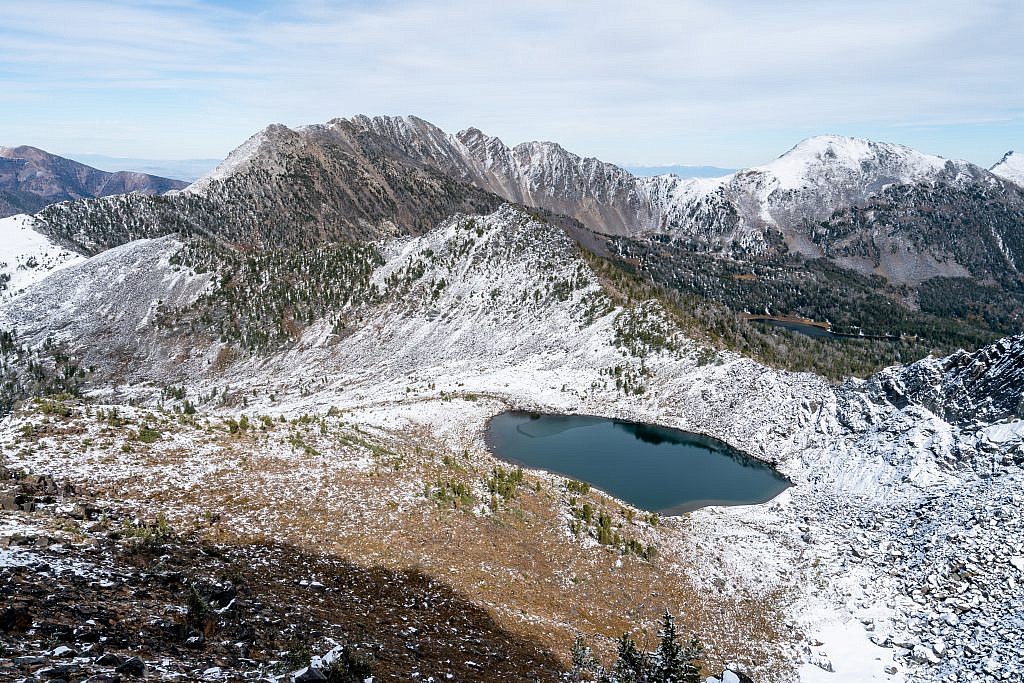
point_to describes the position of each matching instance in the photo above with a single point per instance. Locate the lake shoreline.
(632, 461)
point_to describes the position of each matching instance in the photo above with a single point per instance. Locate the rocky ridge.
(1010, 167)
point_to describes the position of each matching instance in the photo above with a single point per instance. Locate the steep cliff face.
(964, 388)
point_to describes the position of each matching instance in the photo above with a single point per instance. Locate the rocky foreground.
(92, 594)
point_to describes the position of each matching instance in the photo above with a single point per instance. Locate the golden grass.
(360, 497)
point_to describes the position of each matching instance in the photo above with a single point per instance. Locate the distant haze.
(683, 171)
(192, 169)
(178, 169)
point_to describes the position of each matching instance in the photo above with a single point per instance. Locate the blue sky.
(724, 82)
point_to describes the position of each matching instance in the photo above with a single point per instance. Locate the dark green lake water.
(654, 468)
(808, 330)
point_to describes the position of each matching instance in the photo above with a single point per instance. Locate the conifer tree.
(584, 666)
(632, 665)
(672, 662)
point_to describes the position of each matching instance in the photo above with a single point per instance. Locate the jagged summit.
(237, 158)
(373, 176)
(1011, 167)
(1006, 157)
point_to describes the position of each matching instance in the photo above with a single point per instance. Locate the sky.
(723, 82)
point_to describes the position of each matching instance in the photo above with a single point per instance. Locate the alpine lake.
(654, 468)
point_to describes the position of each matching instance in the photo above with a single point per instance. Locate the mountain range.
(303, 348)
(31, 179)
(187, 170)
(808, 198)
(874, 237)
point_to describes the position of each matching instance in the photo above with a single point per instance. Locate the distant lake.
(654, 468)
(809, 330)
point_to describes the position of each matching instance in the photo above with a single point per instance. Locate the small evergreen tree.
(584, 666)
(632, 666)
(672, 662)
(693, 654)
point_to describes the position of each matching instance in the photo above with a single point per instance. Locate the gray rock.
(132, 667)
(308, 675)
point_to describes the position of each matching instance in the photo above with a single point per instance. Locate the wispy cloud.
(708, 81)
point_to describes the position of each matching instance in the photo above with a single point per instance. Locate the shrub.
(148, 435)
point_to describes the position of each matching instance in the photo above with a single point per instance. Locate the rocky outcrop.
(1011, 167)
(964, 388)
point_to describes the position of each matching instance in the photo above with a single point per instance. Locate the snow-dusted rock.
(1011, 167)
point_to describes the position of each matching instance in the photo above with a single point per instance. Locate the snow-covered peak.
(821, 157)
(473, 136)
(1011, 167)
(417, 138)
(394, 126)
(405, 130)
(27, 256)
(23, 152)
(811, 181)
(669, 190)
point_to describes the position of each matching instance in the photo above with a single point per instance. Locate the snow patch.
(1011, 167)
(27, 256)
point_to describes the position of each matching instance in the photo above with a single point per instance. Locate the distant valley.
(31, 179)
(187, 170)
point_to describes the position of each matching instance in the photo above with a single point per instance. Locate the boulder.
(308, 675)
(108, 659)
(132, 667)
(63, 652)
(63, 672)
(15, 619)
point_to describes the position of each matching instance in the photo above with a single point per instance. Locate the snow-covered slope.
(26, 256)
(102, 309)
(1011, 167)
(504, 308)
